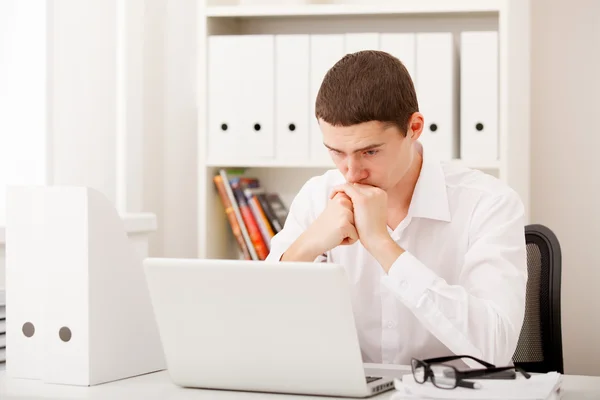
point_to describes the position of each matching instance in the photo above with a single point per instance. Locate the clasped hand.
(353, 212)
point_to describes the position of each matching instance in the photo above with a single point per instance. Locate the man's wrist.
(386, 252)
(303, 249)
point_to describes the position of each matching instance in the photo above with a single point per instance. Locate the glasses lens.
(444, 377)
(418, 371)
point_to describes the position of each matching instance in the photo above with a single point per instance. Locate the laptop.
(277, 327)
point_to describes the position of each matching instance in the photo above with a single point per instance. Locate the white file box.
(436, 91)
(479, 96)
(26, 270)
(241, 97)
(2, 264)
(224, 124)
(401, 46)
(292, 54)
(361, 41)
(325, 51)
(82, 288)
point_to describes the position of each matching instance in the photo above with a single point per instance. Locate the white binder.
(361, 41)
(257, 114)
(401, 46)
(95, 321)
(223, 81)
(479, 96)
(26, 277)
(292, 87)
(436, 93)
(240, 97)
(325, 51)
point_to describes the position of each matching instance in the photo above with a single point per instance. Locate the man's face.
(371, 153)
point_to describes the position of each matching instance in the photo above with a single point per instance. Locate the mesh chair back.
(540, 343)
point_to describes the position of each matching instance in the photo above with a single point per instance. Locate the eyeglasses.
(446, 376)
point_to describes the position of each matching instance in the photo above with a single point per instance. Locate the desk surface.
(159, 386)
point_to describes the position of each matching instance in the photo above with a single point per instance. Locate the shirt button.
(390, 324)
(403, 284)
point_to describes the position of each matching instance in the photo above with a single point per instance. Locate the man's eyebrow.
(369, 147)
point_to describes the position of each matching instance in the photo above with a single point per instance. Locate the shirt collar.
(430, 197)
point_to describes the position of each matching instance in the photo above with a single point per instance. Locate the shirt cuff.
(275, 255)
(409, 279)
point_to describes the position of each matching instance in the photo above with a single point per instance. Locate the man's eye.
(371, 152)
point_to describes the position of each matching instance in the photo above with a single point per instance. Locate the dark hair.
(367, 86)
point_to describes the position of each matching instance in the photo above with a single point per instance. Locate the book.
(234, 223)
(238, 214)
(279, 209)
(255, 215)
(259, 215)
(253, 230)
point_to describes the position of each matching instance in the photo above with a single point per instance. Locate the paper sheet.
(538, 387)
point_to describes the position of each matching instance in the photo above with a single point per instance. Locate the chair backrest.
(540, 344)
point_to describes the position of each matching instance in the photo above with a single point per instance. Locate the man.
(435, 253)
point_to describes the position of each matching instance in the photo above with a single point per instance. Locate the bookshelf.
(509, 18)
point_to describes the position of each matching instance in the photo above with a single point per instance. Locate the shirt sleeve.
(483, 313)
(300, 215)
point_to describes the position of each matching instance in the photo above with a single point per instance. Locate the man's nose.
(355, 172)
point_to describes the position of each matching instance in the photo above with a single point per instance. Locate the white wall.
(180, 149)
(170, 151)
(22, 95)
(564, 172)
(120, 101)
(153, 114)
(83, 94)
(95, 76)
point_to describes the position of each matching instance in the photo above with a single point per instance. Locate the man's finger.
(337, 191)
(341, 194)
(348, 189)
(351, 235)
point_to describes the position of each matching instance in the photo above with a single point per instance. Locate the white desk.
(158, 386)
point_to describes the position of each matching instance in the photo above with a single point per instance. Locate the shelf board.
(483, 165)
(398, 7)
(268, 164)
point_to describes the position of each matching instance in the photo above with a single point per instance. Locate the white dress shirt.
(459, 287)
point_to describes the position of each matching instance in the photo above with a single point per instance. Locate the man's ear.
(416, 123)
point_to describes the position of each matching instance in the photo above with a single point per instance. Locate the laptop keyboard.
(372, 378)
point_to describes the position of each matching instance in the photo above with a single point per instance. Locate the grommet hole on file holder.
(64, 334)
(223, 127)
(292, 127)
(257, 127)
(433, 127)
(28, 329)
(479, 126)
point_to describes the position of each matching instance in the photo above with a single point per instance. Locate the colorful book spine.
(259, 215)
(279, 209)
(238, 213)
(271, 217)
(233, 222)
(253, 230)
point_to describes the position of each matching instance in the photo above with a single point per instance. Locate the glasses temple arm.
(452, 358)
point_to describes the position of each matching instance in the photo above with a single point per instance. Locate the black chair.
(540, 343)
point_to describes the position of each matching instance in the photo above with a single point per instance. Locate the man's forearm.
(301, 250)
